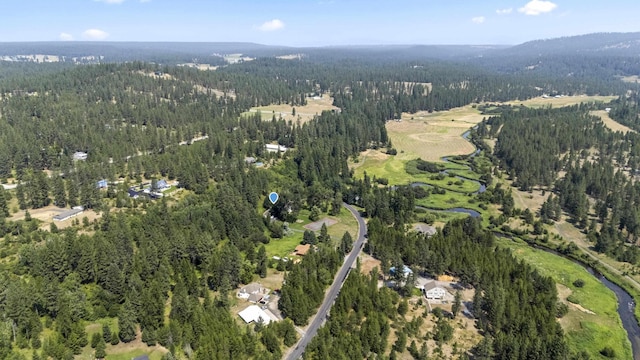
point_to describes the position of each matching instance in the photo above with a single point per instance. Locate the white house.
(79, 155)
(275, 148)
(254, 314)
(433, 291)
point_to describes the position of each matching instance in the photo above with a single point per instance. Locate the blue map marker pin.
(273, 197)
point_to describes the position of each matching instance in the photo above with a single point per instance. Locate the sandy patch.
(581, 308)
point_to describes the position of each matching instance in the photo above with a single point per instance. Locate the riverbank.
(592, 322)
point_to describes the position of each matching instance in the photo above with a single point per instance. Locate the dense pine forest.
(535, 145)
(165, 272)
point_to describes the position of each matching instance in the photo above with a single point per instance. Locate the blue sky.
(314, 22)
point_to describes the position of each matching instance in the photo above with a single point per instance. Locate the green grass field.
(283, 247)
(395, 171)
(584, 331)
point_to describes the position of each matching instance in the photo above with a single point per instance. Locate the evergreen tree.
(101, 349)
(261, 262)
(127, 322)
(457, 304)
(346, 243)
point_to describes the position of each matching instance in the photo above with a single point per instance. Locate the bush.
(608, 352)
(578, 283)
(561, 309)
(115, 338)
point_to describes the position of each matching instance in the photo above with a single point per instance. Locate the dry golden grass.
(430, 136)
(304, 113)
(529, 200)
(367, 263)
(610, 123)
(465, 334)
(560, 102)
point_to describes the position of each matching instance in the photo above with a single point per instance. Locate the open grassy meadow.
(592, 322)
(315, 106)
(431, 136)
(561, 101)
(610, 123)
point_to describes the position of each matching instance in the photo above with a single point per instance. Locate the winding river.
(481, 186)
(626, 304)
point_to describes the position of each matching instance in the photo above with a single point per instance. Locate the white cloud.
(537, 7)
(65, 36)
(272, 25)
(95, 34)
(504, 11)
(110, 1)
(478, 19)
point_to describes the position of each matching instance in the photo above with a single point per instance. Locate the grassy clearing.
(448, 201)
(431, 136)
(375, 163)
(610, 123)
(584, 331)
(315, 106)
(283, 247)
(562, 101)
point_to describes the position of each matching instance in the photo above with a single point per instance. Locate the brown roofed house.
(302, 250)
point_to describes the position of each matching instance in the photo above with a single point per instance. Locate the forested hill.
(619, 44)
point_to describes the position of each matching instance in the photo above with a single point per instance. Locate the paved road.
(332, 294)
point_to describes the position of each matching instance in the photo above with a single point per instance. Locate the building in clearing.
(69, 214)
(432, 291)
(79, 155)
(255, 314)
(302, 250)
(275, 148)
(253, 292)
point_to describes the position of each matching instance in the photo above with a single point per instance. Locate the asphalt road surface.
(334, 289)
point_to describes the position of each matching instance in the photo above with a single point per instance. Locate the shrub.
(578, 283)
(608, 352)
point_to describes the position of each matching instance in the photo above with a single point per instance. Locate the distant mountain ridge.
(597, 44)
(623, 44)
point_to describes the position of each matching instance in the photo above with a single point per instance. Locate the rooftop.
(254, 314)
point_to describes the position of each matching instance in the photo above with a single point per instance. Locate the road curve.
(334, 289)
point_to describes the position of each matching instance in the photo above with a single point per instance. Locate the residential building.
(434, 292)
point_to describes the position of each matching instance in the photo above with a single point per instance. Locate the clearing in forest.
(315, 106)
(317, 225)
(561, 101)
(610, 123)
(430, 136)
